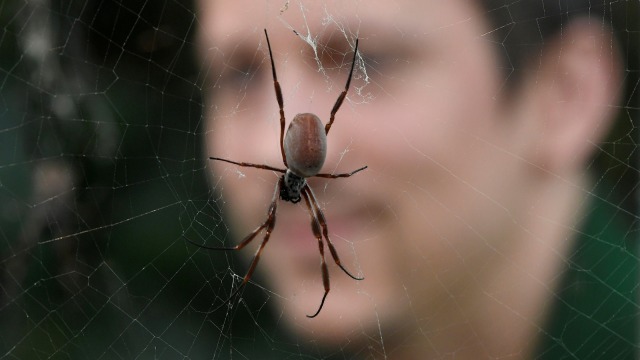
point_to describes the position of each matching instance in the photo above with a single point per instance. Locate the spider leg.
(323, 223)
(268, 225)
(245, 164)
(340, 99)
(242, 244)
(315, 226)
(334, 176)
(276, 86)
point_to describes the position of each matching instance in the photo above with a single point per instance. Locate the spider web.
(103, 178)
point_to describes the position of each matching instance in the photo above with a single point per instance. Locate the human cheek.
(240, 136)
(404, 132)
(239, 127)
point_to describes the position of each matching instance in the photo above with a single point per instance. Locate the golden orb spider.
(304, 149)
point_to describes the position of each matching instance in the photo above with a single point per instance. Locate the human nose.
(309, 88)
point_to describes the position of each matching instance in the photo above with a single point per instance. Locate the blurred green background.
(101, 180)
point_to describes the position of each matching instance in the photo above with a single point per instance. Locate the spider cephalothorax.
(291, 187)
(304, 149)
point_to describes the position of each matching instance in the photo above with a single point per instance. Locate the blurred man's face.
(437, 204)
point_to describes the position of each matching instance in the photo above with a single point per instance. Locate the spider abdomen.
(305, 145)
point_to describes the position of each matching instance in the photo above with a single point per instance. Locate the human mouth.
(296, 235)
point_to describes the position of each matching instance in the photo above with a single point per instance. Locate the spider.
(303, 149)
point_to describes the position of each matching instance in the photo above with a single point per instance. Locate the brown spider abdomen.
(305, 145)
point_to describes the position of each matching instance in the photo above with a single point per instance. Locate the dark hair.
(521, 28)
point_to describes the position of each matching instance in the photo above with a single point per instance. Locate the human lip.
(297, 236)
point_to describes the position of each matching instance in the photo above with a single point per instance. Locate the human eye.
(240, 70)
(386, 57)
(381, 59)
(387, 61)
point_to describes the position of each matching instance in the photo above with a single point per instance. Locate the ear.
(576, 91)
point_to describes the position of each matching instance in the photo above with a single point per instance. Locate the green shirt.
(596, 310)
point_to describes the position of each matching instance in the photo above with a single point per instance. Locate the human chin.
(352, 308)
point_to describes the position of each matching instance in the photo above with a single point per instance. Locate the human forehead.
(223, 20)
